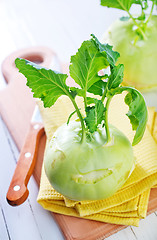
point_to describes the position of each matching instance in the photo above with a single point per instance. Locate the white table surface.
(61, 25)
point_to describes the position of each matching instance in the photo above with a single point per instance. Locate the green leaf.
(98, 88)
(116, 77)
(95, 115)
(106, 50)
(142, 17)
(91, 57)
(90, 100)
(120, 4)
(138, 113)
(143, 3)
(86, 64)
(78, 91)
(46, 84)
(73, 93)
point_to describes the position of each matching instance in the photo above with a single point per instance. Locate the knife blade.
(18, 191)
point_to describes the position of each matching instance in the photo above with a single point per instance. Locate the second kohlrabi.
(135, 38)
(88, 159)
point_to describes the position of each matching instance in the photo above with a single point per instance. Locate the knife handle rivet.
(27, 154)
(36, 126)
(16, 188)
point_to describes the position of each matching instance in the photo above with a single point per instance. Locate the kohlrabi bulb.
(138, 56)
(90, 170)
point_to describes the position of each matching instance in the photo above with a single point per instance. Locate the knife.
(18, 191)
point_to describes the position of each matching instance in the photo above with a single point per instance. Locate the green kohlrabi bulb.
(138, 56)
(91, 170)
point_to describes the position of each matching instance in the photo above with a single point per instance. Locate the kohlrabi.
(135, 38)
(87, 158)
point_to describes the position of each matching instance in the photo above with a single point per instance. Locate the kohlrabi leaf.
(95, 115)
(142, 17)
(120, 4)
(116, 77)
(137, 114)
(91, 57)
(86, 64)
(98, 88)
(46, 84)
(106, 50)
(143, 3)
(78, 91)
(90, 100)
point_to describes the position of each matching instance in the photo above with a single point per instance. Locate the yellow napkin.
(130, 203)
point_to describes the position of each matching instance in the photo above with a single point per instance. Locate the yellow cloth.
(130, 203)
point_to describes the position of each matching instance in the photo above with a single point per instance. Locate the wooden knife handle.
(18, 191)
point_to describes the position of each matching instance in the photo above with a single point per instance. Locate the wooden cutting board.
(16, 101)
(16, 108)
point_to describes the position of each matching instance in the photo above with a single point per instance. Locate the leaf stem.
(139, 27)
(104, 95)
(150, 13)
(70, 116)
(106, 119)
(130, 15)
(80, 117)
(85, 102)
